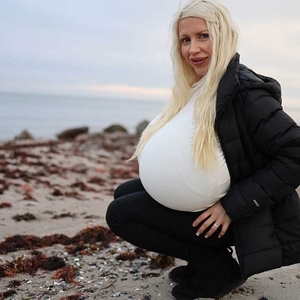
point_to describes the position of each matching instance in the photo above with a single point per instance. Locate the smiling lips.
(198, 62)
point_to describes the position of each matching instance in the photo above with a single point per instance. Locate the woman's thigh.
(128, 187)
(140, 207)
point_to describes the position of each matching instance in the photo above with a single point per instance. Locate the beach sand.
(61, 190)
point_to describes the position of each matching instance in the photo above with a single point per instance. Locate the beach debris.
(137, 253)
(30, 265)
(97, 180)
(7, 294)
(90, 235)
(14, 284)
(25, 217)
(67, 273)
(24, 135)
(64, 215)
(80, 168)
(162, 262)
(78, 296)
(71, 134)
(83, 187)
(4, 185)
(5, 205)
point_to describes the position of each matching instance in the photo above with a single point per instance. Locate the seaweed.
(90, 235)
(77, 296)
(30, 265)
(67, 273)
(137, 253)
(25, 217)
(161, 262)
(5, 205)
(83, 187)
(64, 215)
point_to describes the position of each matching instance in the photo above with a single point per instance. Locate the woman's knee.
(128, 187)
(112, 212)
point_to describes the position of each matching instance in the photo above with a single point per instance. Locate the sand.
(66, 187)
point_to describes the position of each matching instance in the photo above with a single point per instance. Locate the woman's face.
(195, 44)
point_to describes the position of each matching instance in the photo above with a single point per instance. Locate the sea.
(44, 116)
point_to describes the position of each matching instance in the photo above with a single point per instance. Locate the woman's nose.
(194, 48)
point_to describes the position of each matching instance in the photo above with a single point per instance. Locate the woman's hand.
(215, 216)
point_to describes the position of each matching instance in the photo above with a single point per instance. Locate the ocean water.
(46, 116)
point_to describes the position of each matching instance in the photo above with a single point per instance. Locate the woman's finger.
(204, 226)
(212, 230)
(201, 218)
(224, 230)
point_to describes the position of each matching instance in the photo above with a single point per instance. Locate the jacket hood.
(251, 80)
(238, 77)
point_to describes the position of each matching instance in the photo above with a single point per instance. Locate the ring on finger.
(216, 225)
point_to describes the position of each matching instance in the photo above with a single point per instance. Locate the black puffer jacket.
(261, 145)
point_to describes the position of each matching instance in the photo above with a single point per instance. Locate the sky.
(120, 48)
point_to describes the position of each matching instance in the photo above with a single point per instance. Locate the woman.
(218, 167)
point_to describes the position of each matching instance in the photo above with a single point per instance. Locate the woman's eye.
(185, 40)
(204, 36)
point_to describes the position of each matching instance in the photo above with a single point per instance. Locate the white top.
(167, 167)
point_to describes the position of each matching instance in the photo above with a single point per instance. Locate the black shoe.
(182, 273)
(214, 278)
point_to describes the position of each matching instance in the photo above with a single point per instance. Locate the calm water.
(45, 116)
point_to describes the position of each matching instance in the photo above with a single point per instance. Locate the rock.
(81, 138)
(24, 135)
(114, 128)
(71, 134)
(141, 127)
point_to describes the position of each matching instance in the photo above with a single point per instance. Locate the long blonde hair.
(224, 36)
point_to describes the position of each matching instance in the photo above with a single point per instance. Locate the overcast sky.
(121, 47)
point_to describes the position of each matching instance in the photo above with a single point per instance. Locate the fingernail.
(197, 233)
(219, 237)
(206, 236)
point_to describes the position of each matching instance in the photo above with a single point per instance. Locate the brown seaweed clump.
(5, 205)
(77, 296)
(90, 235)
(67, 274)
(25, 217)
(162, 262)
(138, 252)
(31, 265)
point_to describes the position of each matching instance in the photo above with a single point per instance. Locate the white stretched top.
(167, 168)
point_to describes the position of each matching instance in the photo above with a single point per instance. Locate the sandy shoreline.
(65, 188)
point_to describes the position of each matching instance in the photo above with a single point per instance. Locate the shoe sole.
(218, 296)
(229, 288)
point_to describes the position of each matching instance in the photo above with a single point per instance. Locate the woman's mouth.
(198, 62)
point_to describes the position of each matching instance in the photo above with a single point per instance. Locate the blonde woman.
(218, 167)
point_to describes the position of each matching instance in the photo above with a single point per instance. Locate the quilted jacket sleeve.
(276, 136)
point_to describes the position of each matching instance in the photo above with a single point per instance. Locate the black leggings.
(137, 218)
